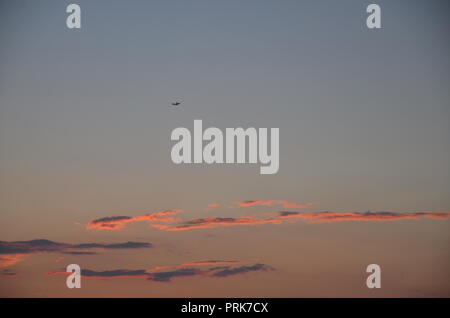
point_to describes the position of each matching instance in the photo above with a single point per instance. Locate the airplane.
(176, 104)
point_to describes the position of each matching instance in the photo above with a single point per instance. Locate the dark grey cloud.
(362, 216)
(165, 276)
(287, 213)
(241, 270)
(17, 249)
(40, 245)
(114, 273)
(168, 275)
(26, 247)
(8, 272)
(111, 219)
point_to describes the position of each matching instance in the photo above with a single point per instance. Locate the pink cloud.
(118, 222)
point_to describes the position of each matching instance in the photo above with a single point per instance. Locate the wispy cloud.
(164, 221)
(10, 260)
(13, 252)
(216, 222)
(8, 272)
(166, 273)
(362, 216)
(118, 222)
(166, 217)
(284, 217)
(196, 263)
(241, 270)
(284, 204)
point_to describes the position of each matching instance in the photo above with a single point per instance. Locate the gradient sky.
(364, 118)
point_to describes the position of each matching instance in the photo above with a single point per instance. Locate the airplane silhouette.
(176, 104)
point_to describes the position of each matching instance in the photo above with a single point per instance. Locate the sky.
(86, 175)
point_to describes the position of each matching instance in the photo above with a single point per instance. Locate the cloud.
(27, 247)
(114, 273)
(216, 222)
(10, 260)
(362, 216)
(198, 268)
(14, 252)
(7, 272)
(210, 262)
(80, 253)
(197, 263)
(109, 222)
(164, 276)
(284, 204)
(118, 222)
(164, 221)
(168, 275)
(314, 217)
(241, 270)
(114, 246)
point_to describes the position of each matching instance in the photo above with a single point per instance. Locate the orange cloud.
(216, 222)
(314, 217)
(160, 219)
(118, 222)
(10, 260)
